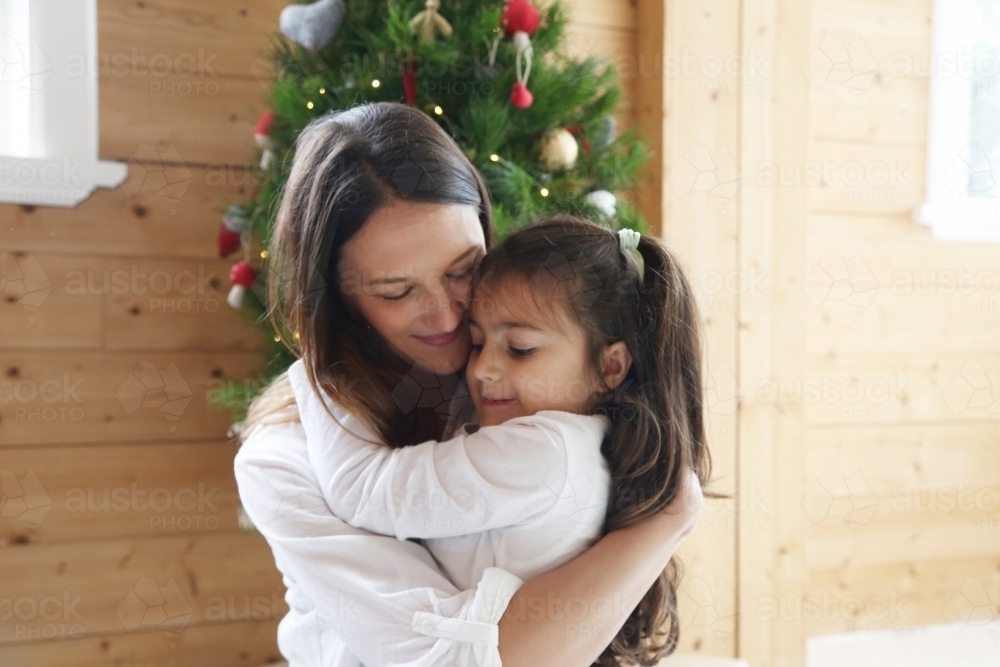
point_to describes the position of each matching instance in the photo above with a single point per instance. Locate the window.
(962, 200)
(48, 104)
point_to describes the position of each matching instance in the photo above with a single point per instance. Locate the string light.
(376, 83)
(322, 91)
(495, 157)
(277, 339)
(438, 110)
(309, 105)
(296, 335)
(545, 192)
(263, 254)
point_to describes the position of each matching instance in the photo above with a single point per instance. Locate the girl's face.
(525, 360)
(408, 273)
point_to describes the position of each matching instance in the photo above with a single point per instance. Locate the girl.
(381, 192)
(585, 375)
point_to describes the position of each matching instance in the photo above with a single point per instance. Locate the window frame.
(950, 216)
(63, 167)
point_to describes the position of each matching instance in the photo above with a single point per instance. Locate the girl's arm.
(392, 606)
(499, 476)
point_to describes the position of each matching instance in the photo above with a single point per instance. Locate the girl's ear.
(615, 362)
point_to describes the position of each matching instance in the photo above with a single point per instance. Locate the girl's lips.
(493, 402)
(440, 340)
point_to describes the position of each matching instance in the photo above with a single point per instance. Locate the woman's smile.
(442, 339)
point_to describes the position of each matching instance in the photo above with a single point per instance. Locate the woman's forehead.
(407, 239)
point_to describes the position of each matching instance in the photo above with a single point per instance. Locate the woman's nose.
(443, 313)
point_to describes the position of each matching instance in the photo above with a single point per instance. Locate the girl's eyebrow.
(504, 326)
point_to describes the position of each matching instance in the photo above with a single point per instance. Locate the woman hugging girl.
(585, 375)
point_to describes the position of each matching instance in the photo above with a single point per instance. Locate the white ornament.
(558, 149)
(603, 201)
(312, 26)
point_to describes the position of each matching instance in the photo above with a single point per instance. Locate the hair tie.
(628, 242)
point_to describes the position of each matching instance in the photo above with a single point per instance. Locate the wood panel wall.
(119, 541)
(118, 495)
(902, 482)
(852, 356)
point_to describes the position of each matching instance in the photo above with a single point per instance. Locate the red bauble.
(241, 274)
(520, 96)
(519, 16)
(228, 240)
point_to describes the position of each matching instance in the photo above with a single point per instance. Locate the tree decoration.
(234, 224)
(428, 22)
(312, 26)
(408, 71)
(605, 134)
(520, 20)
(526, 177)
(558, 150)
(603, 201)
(262, 134)
(242, 276)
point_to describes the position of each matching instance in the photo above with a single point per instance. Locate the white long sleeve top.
(525, 496)
(358, 599)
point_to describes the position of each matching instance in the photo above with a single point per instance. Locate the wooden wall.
(114, 337)
(902, 474)
(117, 483)
(851, 357)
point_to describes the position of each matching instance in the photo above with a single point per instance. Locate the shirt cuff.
(493, 594)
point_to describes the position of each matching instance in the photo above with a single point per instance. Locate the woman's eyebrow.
(387, 281)
(471, 251)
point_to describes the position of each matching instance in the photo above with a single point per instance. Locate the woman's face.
(408, 273)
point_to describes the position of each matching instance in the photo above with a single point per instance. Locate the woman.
(382, 223)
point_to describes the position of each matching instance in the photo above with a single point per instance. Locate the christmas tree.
(536, 121)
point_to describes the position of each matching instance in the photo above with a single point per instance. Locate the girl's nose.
(485, 368)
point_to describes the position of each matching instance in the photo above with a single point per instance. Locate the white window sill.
(56, 181)
(968, 220)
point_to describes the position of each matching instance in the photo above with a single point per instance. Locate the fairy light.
(495, 157)
(376, 83)
(296, 335)
(322, 91)
(438, 110)
(263, 254)
(309, 105)
(277, 339)
(545, 192)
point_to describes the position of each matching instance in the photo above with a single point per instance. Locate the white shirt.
(356, 598)
(526, 495)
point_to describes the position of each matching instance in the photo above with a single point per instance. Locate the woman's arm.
(392, 606)
(611, 577)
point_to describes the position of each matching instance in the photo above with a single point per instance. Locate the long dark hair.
(348, 164)
(657, 430)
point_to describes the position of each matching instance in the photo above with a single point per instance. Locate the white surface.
(49, 155)
(947, 209)
(971, 645)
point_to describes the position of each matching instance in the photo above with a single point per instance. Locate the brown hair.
(348, 164)
(657, 429)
